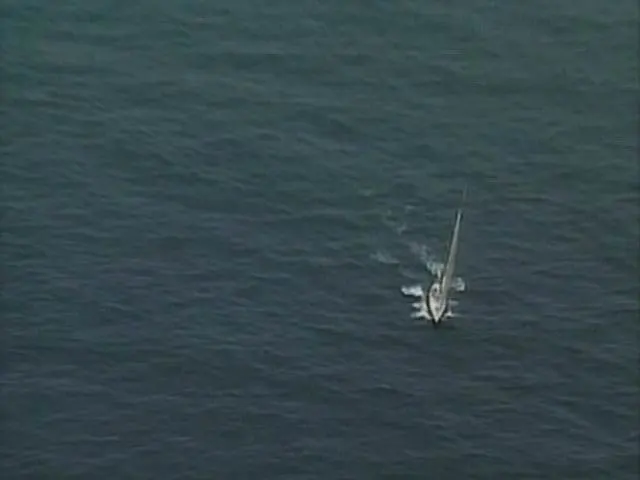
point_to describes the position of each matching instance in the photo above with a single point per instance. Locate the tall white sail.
(451, 259)
(453, 250)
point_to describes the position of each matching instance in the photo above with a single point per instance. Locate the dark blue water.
(210, 208)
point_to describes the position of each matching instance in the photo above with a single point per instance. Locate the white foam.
(413, 290)
(384, 257)
(458, 284)
(397, 225)
(419, 307)
(435, 268)
(422, 313)
(421, 251)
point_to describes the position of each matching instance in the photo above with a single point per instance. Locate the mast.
(453, 250)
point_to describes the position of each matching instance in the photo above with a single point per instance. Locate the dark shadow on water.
(428, 325)
(444, 326)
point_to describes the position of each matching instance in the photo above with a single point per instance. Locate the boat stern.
(436, 303)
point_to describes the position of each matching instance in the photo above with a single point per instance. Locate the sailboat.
(437, 298)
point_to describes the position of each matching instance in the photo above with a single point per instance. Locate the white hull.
(436, 302)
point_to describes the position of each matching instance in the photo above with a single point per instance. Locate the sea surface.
(210, 210)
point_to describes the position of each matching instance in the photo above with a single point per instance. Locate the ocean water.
(210, 210)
